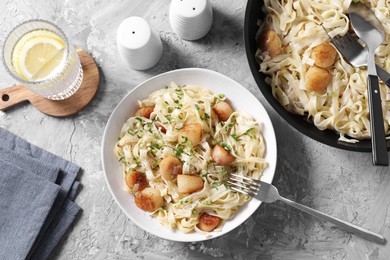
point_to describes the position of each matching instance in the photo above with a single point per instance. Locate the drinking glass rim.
(21, 80)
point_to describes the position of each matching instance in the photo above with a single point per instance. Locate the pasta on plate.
(307, 75)
(178, 150)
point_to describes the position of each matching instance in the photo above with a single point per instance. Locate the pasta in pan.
(331, 93)
(178, 150)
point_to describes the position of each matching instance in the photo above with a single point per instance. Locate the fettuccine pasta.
(343, 105)
(149, 139)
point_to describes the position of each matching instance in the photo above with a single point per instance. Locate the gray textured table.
(340, 183)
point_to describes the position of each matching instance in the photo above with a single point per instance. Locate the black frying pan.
(252, 15)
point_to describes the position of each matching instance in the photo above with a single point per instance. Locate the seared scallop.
(208, 222)
(144, 112)
(161, 127)
(317, 79)
(223, 110)
(221, 156)
(324, 55)
(191, 133)
(149, 199)
(136, 181)
(270, 41)
(170, 167)
(189, 183)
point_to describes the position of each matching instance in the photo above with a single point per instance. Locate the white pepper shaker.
(191, 19)
(139, 45)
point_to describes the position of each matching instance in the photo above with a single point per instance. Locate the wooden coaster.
(12, 96)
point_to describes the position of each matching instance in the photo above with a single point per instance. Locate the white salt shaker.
(191, 19)
(139, 45)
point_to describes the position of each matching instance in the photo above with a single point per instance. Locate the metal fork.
(355, 53)
(268, 193)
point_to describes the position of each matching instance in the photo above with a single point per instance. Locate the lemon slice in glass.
(38, 55)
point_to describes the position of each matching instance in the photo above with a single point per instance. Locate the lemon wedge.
(38, 55)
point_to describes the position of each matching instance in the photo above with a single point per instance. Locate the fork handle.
(341, 223)
(378, 137)
(383, 75)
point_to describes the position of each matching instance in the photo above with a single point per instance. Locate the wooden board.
(12, 96)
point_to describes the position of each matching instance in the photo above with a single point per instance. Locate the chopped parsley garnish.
(226, 147)
(179, 93)
(185, 140)
(122, 159)
(207, 202)
(221, 95)
(132, 132)
(154, 146)
(138, 118)
(163, 207)
(235, 137)
(249, 134)
(179, 150)
(197, 107)
(223, 171)
(250, 129)
(170, 110)
(183, 201)
(216, 185)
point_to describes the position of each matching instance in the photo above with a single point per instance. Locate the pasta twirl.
(343, 106)
(145, 142)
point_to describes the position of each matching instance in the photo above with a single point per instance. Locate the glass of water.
(38, 55)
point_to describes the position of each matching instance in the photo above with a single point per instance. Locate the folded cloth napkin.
(64, 211)
(56, 231)
(73, 191)
(25, 201)
(30, 164)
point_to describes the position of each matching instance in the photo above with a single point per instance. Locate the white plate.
(238, 96)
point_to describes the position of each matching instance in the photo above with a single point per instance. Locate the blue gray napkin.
(34, 161)
(25, 201)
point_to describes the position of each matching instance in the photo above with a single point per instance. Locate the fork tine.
(354, 43)
(339, 41)
(338, 37)
(243, 189)
(336, 40)
(327, 32)
(243, 185)
(349, 37)
(244, 182)
(246, 178)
